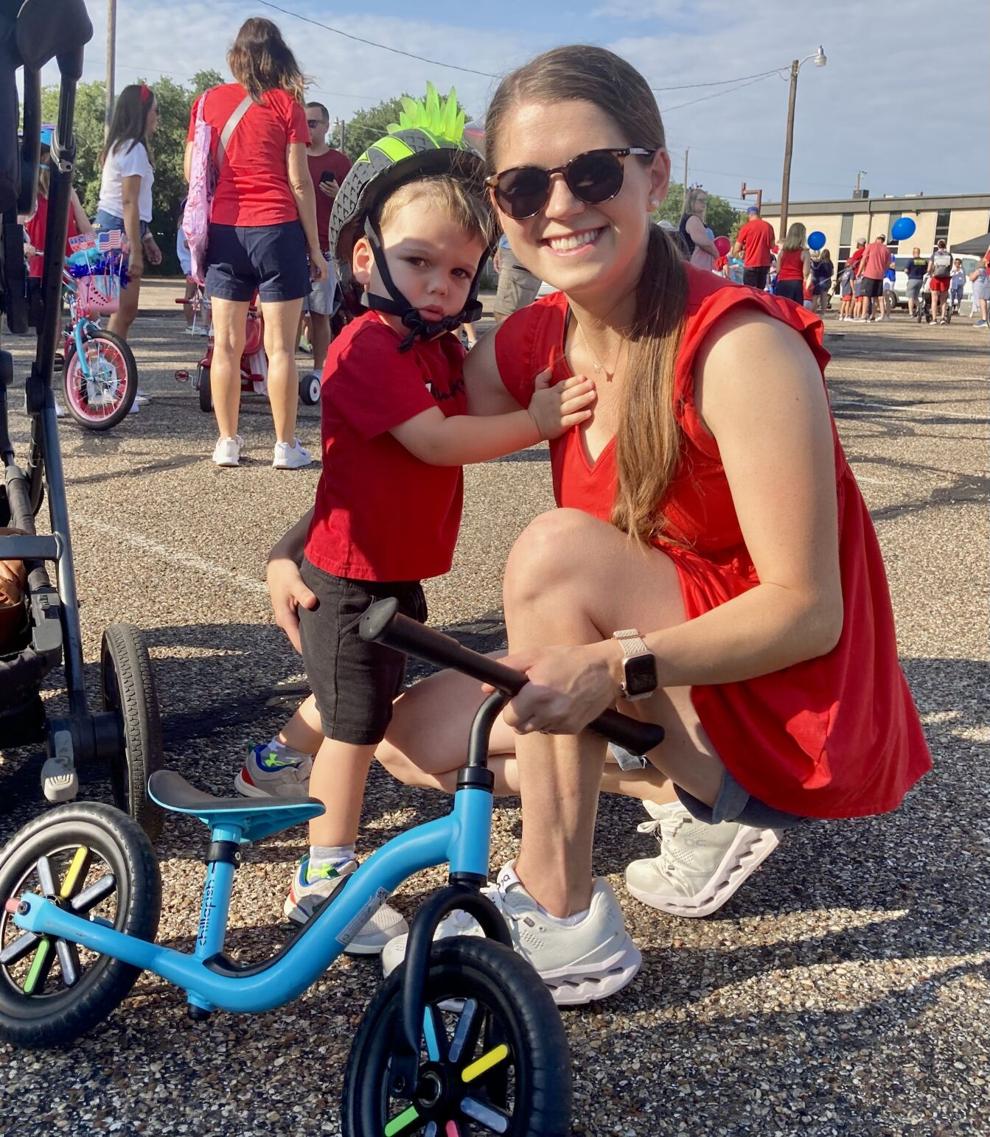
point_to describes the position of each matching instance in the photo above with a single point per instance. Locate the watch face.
(641, 675)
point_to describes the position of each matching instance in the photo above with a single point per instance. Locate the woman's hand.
(135, 263)
(558, 408)
(317, 266)
(288, 592)
(151, 249)
(568, 687)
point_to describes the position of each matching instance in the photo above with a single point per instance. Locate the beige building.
(956, 218)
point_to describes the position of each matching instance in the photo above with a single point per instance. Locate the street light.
(820, 60)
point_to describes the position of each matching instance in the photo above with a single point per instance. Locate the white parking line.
(163, 552)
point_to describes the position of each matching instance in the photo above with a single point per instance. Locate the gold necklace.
(600, 367)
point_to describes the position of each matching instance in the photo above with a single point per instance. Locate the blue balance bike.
(464, 1038)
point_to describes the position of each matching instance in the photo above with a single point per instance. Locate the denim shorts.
(354, 683)
(321, 300)
(736, 804)
(106, 221)
(267, 259)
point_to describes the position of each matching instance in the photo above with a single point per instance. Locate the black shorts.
(756, 277)
(790, 290)
(872, 287)
(354, 682)
(267, 259)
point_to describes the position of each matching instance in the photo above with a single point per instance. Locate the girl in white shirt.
(125, 192)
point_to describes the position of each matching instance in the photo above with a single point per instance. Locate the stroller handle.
(382, 622)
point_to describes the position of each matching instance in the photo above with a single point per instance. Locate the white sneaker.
(141, 398)
(580, 962)
(700, 866)
(269, 772)
(227, 451)
(135, 408)
(292, 457)
(306, 895)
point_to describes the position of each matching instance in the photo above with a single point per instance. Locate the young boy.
(395, 433)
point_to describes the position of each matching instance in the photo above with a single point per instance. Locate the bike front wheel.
(493, 1054)
(101, 393)
(96, 862)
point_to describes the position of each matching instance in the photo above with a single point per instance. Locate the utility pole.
(685, 172)
(339, 123)
(111, 53)
(745, 192)
(785, 185)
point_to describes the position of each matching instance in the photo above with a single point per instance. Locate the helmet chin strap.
(395, 304)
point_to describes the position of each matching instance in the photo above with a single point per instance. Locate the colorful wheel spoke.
(402, 1122)
(452, 1129)
(466, 1032)
(90, 897)
(485, 1063)
(68, 958)
(430, 1130)
(46, 878)
(493, 1119)
(17, 949)
(41, 965)
(77, 872)
(432, 1033)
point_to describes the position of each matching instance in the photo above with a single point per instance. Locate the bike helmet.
(427, 140)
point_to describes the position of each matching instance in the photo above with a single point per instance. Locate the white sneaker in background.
(293, 457)
(700, 866)
(227, 451)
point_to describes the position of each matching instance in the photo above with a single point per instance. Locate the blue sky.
(901, 98)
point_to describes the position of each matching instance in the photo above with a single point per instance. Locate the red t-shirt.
(875, 260)
(381, 513)
(836, 736)
(756, 238)
(333, 162)
(856, 256)
(253, 187)
(35, 229)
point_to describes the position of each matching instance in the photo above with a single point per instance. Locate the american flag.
(109, 239)
(81, 242)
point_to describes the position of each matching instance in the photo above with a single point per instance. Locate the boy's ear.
(362, 261)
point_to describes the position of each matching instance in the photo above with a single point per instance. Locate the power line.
(718, 94)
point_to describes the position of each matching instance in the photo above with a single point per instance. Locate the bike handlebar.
(383, 623)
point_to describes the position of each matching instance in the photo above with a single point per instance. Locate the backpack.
(941, 265)
(204, 171)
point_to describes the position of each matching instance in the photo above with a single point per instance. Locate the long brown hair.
(648, 441)
(261, 61)
(129, 124)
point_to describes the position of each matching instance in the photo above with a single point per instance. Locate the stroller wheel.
(203, 386)
(309, 388)
(129, 689)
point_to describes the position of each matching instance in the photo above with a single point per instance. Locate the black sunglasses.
(593, 177)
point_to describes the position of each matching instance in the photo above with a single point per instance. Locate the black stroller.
(126, 735)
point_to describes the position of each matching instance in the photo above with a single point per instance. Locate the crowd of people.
(711, 565)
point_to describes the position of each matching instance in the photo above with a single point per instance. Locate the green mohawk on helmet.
(440, 117)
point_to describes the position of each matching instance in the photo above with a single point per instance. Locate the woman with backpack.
(262, 223)
(940, 270)
(125, 195)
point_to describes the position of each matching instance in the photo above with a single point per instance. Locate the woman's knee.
(549, 553)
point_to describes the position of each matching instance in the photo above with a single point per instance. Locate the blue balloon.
(816, 240)
(903, 228)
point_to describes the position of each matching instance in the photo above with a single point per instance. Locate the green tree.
(365, 126)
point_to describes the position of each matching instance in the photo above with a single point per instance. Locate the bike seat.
(254, 817)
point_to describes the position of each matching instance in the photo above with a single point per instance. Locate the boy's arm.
(440, 441)
(285, 585)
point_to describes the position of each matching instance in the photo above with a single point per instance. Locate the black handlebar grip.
(383, 622)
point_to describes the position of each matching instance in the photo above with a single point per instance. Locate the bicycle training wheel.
(128, 685)
(101, 399)
(204, 389)
(96, 862)
(493, 1053)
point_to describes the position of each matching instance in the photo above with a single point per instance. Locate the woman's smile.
(567, 244)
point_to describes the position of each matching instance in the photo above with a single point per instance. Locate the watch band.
(632, 642)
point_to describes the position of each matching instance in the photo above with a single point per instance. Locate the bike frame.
(211, 981)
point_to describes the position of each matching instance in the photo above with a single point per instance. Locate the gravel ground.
(844, 990)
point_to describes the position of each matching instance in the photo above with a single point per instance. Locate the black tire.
(119, 882)
(309, 388)
(205, 391)
(128, 684)
(497, 999)
(112, 360)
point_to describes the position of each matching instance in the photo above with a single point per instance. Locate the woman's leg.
(229, 330)
(281, 323)
(120, 322)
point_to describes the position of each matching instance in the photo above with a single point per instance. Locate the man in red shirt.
(872, 266)
(327, 168)
(755, 241)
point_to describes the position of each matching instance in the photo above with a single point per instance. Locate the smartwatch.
(639, 666)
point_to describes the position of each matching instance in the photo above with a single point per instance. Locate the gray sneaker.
(271, 773)
(580, 963)
(700, 866)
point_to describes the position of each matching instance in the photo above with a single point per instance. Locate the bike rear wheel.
(105, 396)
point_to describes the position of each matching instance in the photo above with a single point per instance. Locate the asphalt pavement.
(845, 988)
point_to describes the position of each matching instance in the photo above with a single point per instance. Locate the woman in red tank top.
(712, 557)
(794, 263)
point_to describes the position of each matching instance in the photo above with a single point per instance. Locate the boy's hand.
(558, 408)
(288, 591)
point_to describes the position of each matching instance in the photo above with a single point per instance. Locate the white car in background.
(969, 264)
